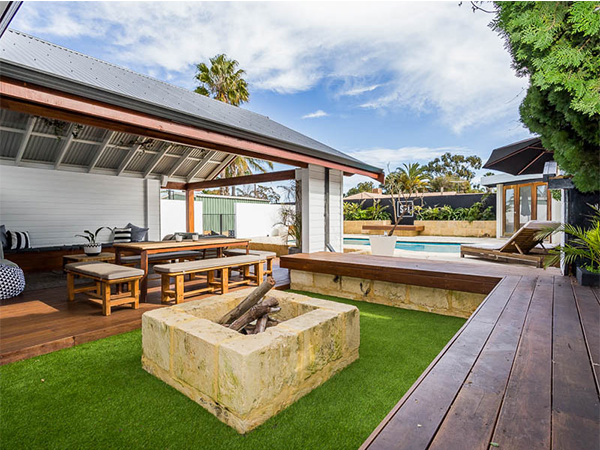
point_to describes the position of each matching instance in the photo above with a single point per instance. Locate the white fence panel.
(254, 219)
(172, 216)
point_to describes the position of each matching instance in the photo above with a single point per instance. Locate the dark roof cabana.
(520, 158)
(121, 122)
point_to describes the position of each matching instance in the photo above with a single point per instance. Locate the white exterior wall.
(499, 209)
(173, 216)
(313, 208)
(55, 205)
(255, 219)
(336, 210)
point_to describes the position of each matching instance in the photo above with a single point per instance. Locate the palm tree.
(222, 81)
(412, 177)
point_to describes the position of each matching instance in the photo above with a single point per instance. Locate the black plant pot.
(294, 250)
(587, 278)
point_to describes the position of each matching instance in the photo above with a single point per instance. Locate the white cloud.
(432, 56)
(360, 90)
(316, 114)
(392, 158)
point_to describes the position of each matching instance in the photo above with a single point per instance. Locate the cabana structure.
(86, 144)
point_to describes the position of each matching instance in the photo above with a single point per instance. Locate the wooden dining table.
(144, 249)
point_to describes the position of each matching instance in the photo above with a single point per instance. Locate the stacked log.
(254, 308)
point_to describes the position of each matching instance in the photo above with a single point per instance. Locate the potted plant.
(583, 249)
(291, 217)
(400, 185)
(92, 248)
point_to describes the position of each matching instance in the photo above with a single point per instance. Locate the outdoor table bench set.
(173, 261)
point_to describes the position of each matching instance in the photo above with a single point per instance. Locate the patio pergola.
(68, 112)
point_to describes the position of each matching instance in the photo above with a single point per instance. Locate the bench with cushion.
(105, 275)
(177, 271)
(268, 256)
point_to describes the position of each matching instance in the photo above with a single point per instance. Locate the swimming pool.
(433, 247)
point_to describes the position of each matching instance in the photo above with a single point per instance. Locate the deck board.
(472, 416)
(43, 321)
(521, 373)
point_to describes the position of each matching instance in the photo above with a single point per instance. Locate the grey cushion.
(138, 234)
(206, 264)
(104, 271)
(242, 251)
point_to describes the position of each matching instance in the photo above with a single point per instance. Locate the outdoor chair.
(523, 247)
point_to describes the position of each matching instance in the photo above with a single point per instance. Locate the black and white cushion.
(18, 240)
(12, 281)
(122, 235)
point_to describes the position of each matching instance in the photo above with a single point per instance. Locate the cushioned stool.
(105, 275)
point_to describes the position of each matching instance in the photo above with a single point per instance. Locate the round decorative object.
(12, 281)
(92, 249)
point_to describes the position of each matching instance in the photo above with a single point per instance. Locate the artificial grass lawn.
(97, 395)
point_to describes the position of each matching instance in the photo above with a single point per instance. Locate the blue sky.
(388, 83)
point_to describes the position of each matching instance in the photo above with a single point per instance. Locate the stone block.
(156, 334)
(301, 280)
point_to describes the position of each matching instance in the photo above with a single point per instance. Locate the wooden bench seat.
(105, 275)
(177, 271)
(269, 256)
(404, 230)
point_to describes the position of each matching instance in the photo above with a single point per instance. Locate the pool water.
(433, 247)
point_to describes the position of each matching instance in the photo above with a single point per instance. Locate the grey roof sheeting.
(33, 60)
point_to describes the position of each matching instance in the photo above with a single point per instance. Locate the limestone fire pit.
(245, 380)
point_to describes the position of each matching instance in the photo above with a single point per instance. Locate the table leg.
(248, 248)
(144, 281)
(219, 252)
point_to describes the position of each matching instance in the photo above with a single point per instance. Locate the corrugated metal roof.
(31, 59)
(10, 143)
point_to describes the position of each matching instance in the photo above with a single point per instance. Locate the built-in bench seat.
(105, 275)
(177, 271)
(44, 259)
(269, 256)
(416, 229)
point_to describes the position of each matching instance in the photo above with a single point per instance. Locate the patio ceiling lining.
(30, 140)
(24, 97)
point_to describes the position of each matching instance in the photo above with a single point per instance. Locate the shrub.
(477, 211)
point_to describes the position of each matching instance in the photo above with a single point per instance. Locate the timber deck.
(42, 321)
(522, 373)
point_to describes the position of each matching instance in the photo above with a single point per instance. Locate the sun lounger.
(523, 247)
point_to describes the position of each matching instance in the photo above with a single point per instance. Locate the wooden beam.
(215, 173)
(248, 179)
(176, 186)
(24, 97)
(64, 148)
(180, 162)
(132, 151)
(25, 140)
(103, 146)
(157, 159)
(203, 162)
(189, 211)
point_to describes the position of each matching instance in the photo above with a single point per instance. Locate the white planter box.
(383, 245)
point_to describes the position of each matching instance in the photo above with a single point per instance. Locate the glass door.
(525, 205)
(509, 210)
(541, 197)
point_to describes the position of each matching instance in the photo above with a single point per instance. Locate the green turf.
(97, 395)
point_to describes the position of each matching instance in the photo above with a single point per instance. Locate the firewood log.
(261, 324)
(268, 305)
(252, 299)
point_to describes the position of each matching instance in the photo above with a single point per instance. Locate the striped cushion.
(18, 240)
(122, 235)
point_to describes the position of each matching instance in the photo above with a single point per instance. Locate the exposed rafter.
(203, 162)
(181, 161)
(215, 173)
(132, 151)
(103, 146)
(25, 140)
(246, 179)
(64, 147)
(157, 159)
